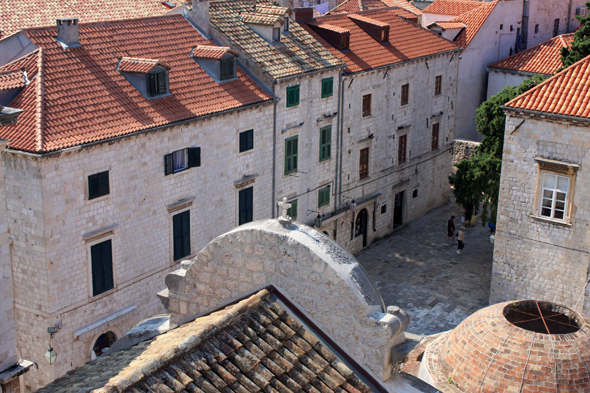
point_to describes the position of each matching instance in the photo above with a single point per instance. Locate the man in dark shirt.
(450, 230)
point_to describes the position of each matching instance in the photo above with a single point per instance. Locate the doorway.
(360, 226)
(398, 210)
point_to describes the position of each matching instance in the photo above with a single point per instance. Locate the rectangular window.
(438, 85)
(98, 185)
(246, 205)
(554, 195)
(182, 159)
(325, 143)
(246, 140)
(555, 27)
(327, 87)
(227, 68)
(292, 211)
(286, 25)
(292, 96)
(344, 42)
(366, 105)
(291, 155)
(405, 94)
(181, 234)
(157, 84)
(364, 163)
(276, 34)
(324, 196)
(101, 256)
(401, 151)
(434, 142)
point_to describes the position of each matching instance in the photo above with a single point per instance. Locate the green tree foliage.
(477, 178)
(580, 47)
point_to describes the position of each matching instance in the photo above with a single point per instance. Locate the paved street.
(414, 270)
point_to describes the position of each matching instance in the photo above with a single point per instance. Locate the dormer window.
(375, 28)
(266, 21)
(345, 42)
(157, 84)
(385, 36)
(276, 34)
(337, 36)
(227, 68)
(218, 61)
(286, 25)
(149, 76)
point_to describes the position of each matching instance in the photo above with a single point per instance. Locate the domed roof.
(524, 346)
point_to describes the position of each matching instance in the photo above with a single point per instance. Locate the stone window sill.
(552, 221)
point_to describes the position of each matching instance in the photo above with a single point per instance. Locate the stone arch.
(116, 333)
(314, 272)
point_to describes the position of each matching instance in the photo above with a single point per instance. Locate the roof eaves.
(574, 119)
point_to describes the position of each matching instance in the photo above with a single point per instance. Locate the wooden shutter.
(194, 157)
(401, 154)
(227, 68)
(186, 233)
(103, 179)
(151, 82)
(434, 144)
(93, 187)
(291, 155)
(364, 163)
(181, 233)
(162, 86)
(102, 267)
(168, 164)
(246, 205)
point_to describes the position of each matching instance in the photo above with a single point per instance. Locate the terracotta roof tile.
(544, 58)
(78, 97)
(20, 14)
(335, 29)
(253, 346)
(260, 19)
(567, 93)
(298, 52)
(473, 21)
(450, 25)
(140, 66)
(272, 10)
(11, 80)
(452, 7)
(409, 41)
(363, 18)
(212, 52)
(403, 4)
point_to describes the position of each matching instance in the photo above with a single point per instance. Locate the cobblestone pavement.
(414, 270)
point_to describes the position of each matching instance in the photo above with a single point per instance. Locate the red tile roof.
(473, 21)
(403, 4)
(212, 52)
(371, 21)
(407, 40)
(271, 10)
(450, 25)
(335, 29)
(260, 19)
(351, 6)
(452, 7)
(20, 14)
(78, 96)
(567, 93)
(544, 58)
(11, 80)
(140, 66)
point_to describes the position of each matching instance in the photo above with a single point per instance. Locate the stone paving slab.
(414, 270)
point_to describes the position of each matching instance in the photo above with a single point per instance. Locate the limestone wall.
(459, 152)
(535, 258)
(544, 13)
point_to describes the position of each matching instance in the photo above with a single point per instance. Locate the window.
(292, 96)
(291, 155)
(324, 196)
(227, 67)
(98, 185)
(383, 209)
(415, 193)
(434, 142)
(364, 163)
(181, 234)
(401, 151)
(405, 94)
(366, 105)
(384, 35)
(246, 205)
(554, 195)
(246, 140)
(292, 211)
(157, 84)
(182, 159)
(325, 143)
(276, 34)
(286, 25)
(101, 256)
(327, 87)
(555, 27)
(536, 28)
(438, 85)
(501, 26)
(344, 42)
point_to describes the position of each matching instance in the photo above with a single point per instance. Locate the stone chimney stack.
(200, 16)
(68, 34)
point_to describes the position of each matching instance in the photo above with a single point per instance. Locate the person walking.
(461, 240)
(450, 230)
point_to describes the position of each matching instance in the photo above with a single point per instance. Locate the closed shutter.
(102, 267)
(227, 68)
(325, 143)
(291, 155)
(162, 88)
(246, 140)
(168, 164)
(246, 205)
(194, 157)
(93, 187)
(151, 79)
(103, 180)
(181, 233)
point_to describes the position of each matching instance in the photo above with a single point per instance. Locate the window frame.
(438, 85)
(101, 187)
(240, 193)
(405, 94)
(326, 143)
(178, 213)
(364, 163)
(344, 42)
(294, 100)
(323, 197)
(556, 168)
(192, 158)
(233, 68)
(327, 84)
(276, 34)
(435, 136)
(89, 246)
(366, 108)
(399, 149)
(292, 155)
(154, 84)
(249, 141)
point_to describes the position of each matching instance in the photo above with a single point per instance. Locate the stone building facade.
(546, 19)
(541, 246)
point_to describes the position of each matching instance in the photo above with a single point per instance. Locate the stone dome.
(522, 346)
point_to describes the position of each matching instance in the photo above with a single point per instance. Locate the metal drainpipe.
(274, 151)
(338, 152)
(341, 114)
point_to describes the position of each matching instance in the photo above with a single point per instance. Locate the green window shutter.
(168, 164)
(246, 205)
(292, 211)
(102, 267)
(327, 87)
(291, 155)
(324, 196)
(292, 96)
(325, 143)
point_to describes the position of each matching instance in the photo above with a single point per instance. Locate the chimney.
(68, 34)
(199, 16)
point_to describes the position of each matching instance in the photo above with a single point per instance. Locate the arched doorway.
(103, 343)
(360, 225)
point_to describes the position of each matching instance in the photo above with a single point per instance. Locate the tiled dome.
(509, 347)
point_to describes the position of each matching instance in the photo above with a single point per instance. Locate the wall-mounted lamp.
(318, 220)
(50, 354)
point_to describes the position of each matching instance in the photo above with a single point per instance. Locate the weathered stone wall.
(544, 13)
(459, 152)
(535, 258)
(320, 277)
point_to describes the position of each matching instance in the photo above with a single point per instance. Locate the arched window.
(103, 343)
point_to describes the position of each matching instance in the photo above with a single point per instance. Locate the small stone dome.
(522, 346)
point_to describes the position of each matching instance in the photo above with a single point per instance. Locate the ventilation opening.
(542, 317)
